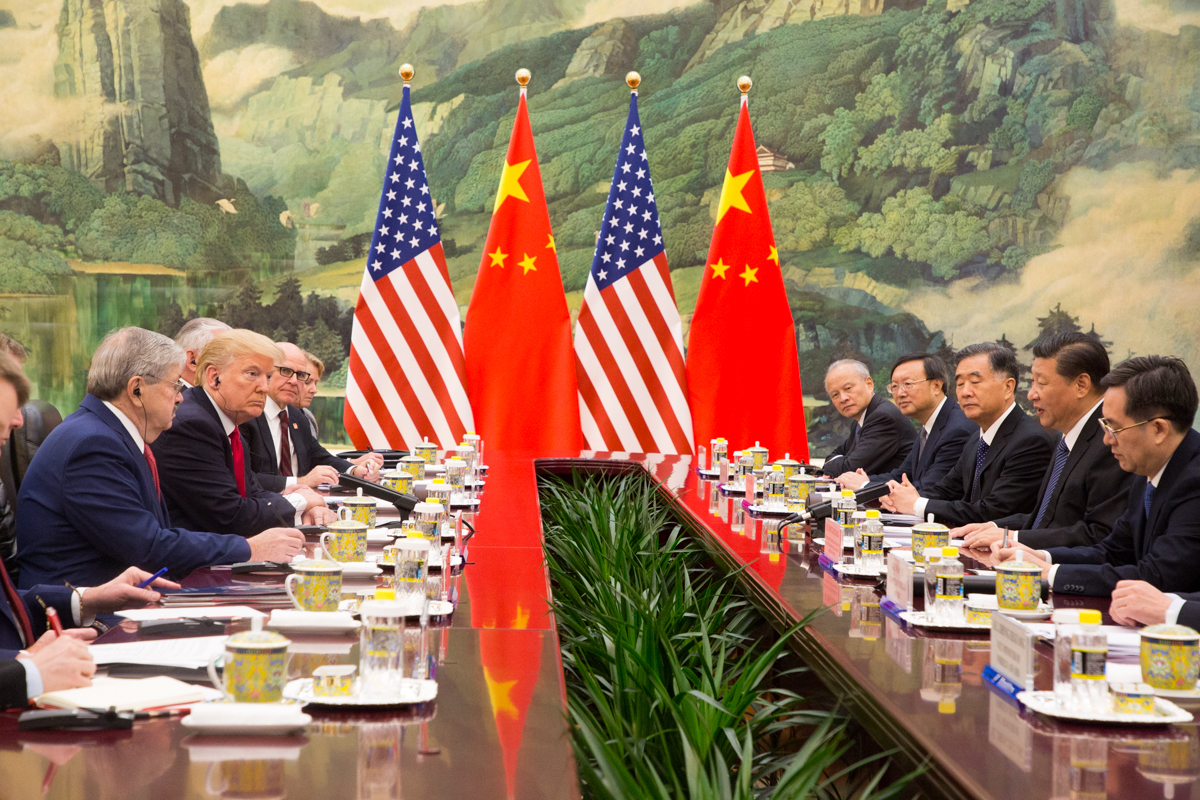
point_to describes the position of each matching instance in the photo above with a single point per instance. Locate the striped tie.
(980, 455)
(1148, 498)
(1060, 461)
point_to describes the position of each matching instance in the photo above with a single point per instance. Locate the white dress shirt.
(273, 413)
(297, 501)
(988, 436)
(928, 426)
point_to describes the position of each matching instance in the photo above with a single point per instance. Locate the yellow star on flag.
(498, 257)
(749, 274)
(551, 245)
(731, 193)
(499, 692)
(719, 269)
(774, 256)
(510, 183)
(527, 264)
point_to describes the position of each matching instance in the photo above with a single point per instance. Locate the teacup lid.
(1180, 632)
(346, 525)
(412, 459)
(359, 500)
(392, 473)
(1017, 566)
(756, 449)
(263, 639)
(429, 508)
(317, 565)
(425, 445)
(930, 527)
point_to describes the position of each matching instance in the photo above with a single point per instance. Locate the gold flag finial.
(407, 72)
(523, 76)
(744, 83)
(634, 80)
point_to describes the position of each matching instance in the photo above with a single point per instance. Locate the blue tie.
(980, 455)
(1060, 461)
(1148, 498)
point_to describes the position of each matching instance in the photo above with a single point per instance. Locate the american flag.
(406, 379)
(628, 341)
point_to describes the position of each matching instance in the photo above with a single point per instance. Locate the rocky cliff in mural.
(145, 125)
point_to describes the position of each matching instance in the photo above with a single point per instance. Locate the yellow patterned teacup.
(334, 681)
(315, 585)
(1018, 585)
(1170, 657)
(928, 534)
(398, 480)
(362, 509)
(346, 540)
(255, 667)
(427, 450)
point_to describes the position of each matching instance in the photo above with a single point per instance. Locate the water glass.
(412, 561)
(381, 646)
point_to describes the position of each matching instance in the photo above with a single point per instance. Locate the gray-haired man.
(880, 436)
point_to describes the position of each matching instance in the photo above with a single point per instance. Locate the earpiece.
(216, 381)
(137, 392)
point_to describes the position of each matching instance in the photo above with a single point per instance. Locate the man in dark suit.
(1002, 464)
(919, 387)
(1149, 406)
(1084, 490)
(880, 437)
(203, 464)
(45, 661)
(282, 449)
(90, 505)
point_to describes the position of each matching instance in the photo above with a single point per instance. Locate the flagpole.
(523, 76)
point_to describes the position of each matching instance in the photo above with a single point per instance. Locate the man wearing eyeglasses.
(92, 503)
(880, 438)
(1084, 490)
(282, 449)
(1002, 464)
(919, 389)
(1149, 407)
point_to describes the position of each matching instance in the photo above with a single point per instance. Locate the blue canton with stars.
(405, 225)
(629, 234)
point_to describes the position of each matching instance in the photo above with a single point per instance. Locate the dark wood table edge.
(878, 718)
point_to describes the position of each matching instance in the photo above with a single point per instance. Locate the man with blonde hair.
(192, 337)
(204, 465)
(316, 371)
(91, 503)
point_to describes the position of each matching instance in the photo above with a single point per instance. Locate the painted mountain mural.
(938, 173)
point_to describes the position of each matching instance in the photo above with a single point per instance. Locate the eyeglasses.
(288, 372)
(907, 386)
(178, 385)
(1111, 431)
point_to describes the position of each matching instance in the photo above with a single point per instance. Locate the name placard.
(833, 540)
(1012, 650)
(1010, 734)
(899, 581)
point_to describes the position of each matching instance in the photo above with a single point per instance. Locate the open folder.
(127, 695)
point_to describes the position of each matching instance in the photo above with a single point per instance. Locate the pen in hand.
(52, 617)
(152, 578)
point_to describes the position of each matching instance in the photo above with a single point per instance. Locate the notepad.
(127, 694)
(190, 653)
(191, 612)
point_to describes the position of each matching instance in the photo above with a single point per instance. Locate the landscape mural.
(937, 173)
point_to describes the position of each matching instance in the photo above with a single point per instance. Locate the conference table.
(498, 727)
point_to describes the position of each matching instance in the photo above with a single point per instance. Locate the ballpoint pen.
(152, 578)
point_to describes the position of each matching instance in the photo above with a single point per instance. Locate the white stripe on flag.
(604, 391)
(387, 392)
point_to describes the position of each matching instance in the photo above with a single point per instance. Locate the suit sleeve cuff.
(77, 609)
(1172, 615)
(33, 678)
(919, 507)
(290, 480)
(298, 502)
(1053, 573)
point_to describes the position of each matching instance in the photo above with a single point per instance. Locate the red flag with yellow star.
(517, 341)
(742, 369)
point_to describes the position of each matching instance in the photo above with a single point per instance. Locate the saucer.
(257, 719)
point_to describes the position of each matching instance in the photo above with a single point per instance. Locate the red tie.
(18, 608)
(285, 446)
(153, 470)
(239, 460)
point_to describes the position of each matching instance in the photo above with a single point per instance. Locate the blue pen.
(152, 578)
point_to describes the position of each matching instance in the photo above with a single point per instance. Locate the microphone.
(822, 510)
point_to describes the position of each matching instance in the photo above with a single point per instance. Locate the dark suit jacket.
(950, 433)
(1012, 469)
(195, 467)
(13, 691)
(10, 631)
(264, 461)
(881, 445)
(1162, 550)
(1091, 494)
(88, 509)
(1190, 613)
(15, 456)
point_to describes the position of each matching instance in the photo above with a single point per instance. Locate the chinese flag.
(517, 341)
(742, 370)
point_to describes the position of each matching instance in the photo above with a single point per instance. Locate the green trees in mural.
(316, 323)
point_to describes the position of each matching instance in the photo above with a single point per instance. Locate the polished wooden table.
(497, 729)
(918, 693)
